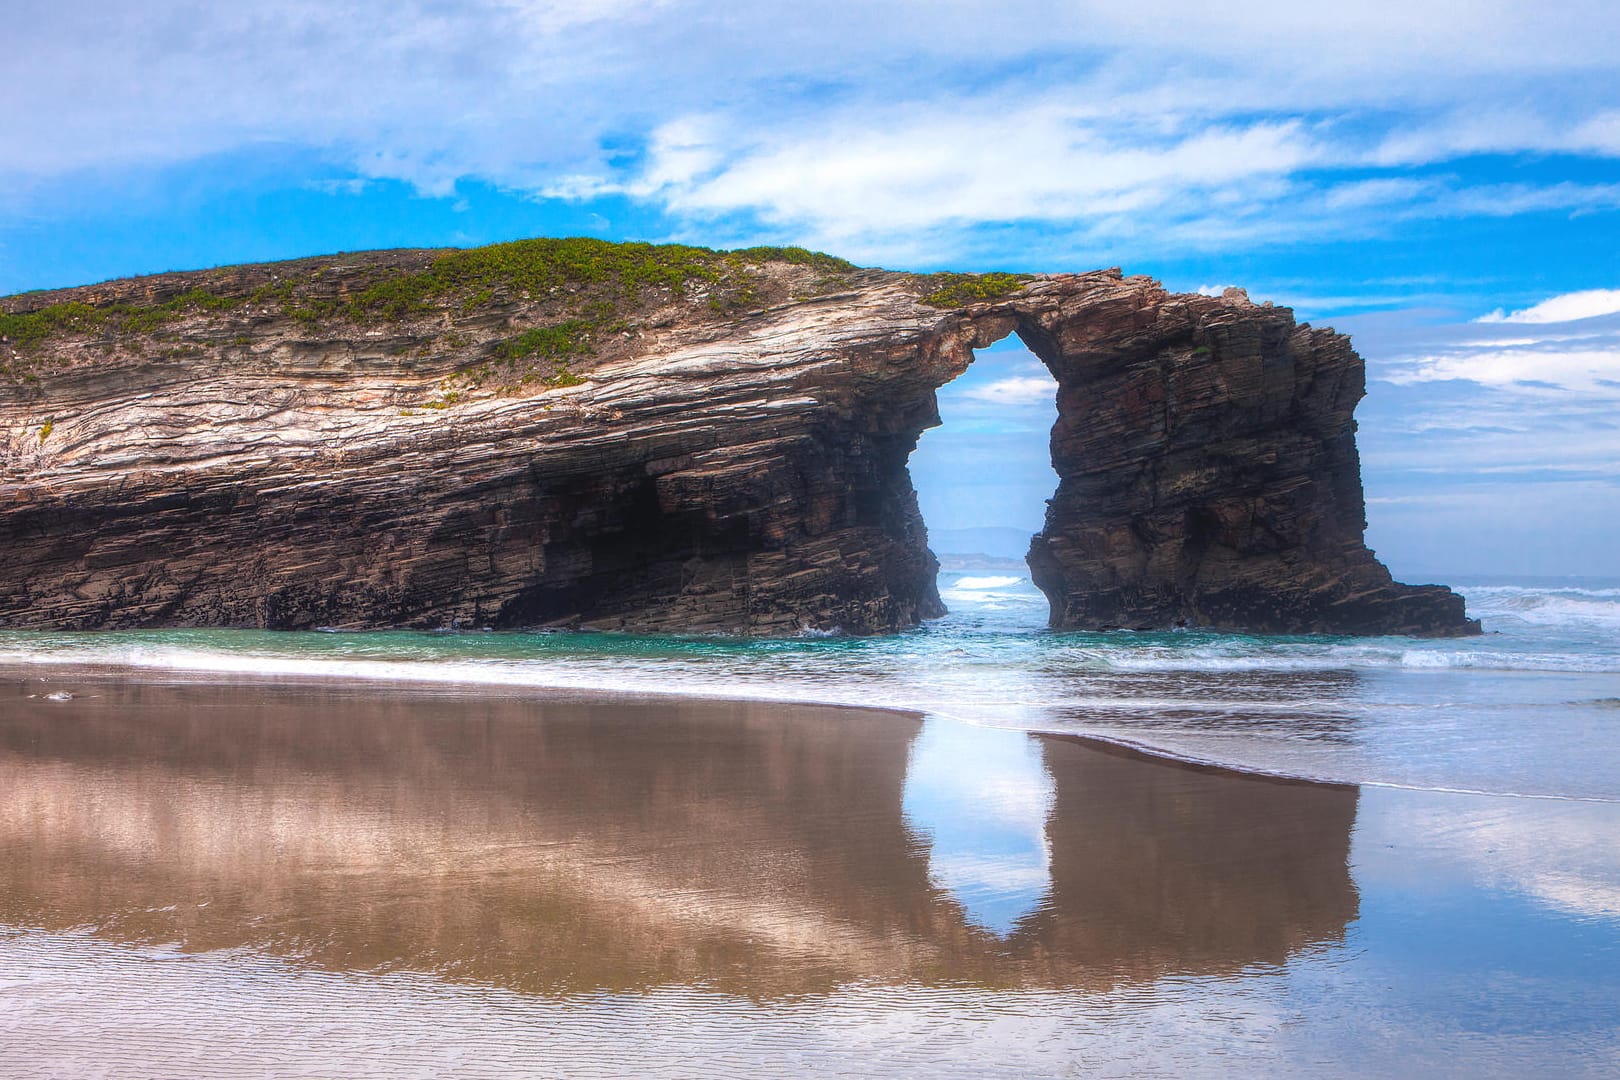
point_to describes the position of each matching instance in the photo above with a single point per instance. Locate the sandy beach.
(281, 874)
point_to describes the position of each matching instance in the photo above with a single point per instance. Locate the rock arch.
(1208, 473)
(741, 473)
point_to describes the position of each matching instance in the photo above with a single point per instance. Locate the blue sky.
(1401, 170)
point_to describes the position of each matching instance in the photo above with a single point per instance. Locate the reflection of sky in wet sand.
(982, 797)
(1563, 856)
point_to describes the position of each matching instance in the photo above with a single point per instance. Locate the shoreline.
(599, 695)
(564, 694)
(299, 673)
(11, 671)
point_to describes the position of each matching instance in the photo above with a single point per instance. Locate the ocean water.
(1532, 707)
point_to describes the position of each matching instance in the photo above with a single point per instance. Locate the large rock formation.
(657, 439)
(1208, 471)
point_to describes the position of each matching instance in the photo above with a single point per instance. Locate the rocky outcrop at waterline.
(650, 438)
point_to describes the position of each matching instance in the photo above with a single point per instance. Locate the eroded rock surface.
(1208, 473)
(703, 466)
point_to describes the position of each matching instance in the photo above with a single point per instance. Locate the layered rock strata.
(708, 462)
(1208, 473)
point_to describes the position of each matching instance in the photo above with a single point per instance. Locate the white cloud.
(1566, 345)
(897, 184)
(1463, 419)
(1509, 127)
(1530, 368)
(1509, 200)
(903, 168)
(1365, 194)
(1018, 390)
(1171, 122)
(1600, 133)
(1586, 304)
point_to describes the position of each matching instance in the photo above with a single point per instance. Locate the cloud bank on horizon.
(1440, 178)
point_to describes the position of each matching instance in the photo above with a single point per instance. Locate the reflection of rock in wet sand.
(562, 846)
(1159, 868)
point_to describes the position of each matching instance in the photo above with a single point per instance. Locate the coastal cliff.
(575, 433)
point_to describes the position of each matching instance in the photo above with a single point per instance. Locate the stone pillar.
(1208, 471)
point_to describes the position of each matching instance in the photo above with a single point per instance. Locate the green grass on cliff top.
(529, 268)
(589, 287)
(948, 290)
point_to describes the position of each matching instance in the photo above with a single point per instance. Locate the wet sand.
(202, 878)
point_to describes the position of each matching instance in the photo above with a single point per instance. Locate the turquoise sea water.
(1530, 708)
